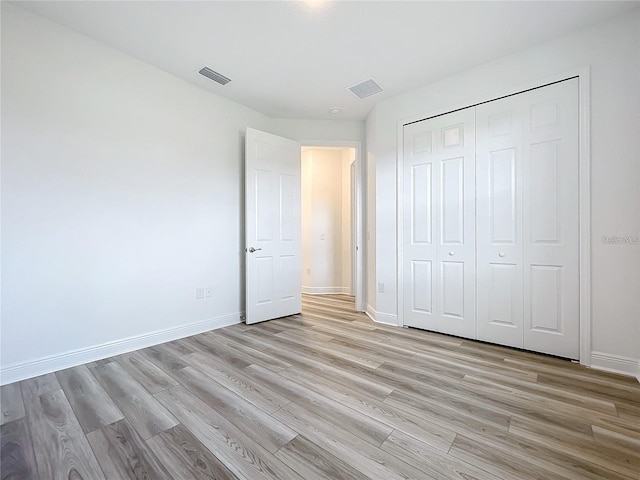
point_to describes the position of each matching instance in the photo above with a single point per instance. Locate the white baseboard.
(324, 290)
(20, 371)
(379, 317)
(615, 364)
(387, 318)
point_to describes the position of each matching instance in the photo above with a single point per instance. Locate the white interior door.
(499, 172)
(439, 231)
(551, 228)
(272, 227)
(527, 220)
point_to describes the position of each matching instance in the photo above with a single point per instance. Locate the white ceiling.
(295, 59)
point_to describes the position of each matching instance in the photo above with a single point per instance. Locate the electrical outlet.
(208, 292)
(308, 270)
(199, 293)
(380, 287)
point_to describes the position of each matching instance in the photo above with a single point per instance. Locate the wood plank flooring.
(323, 395)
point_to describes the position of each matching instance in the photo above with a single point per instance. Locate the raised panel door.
(551, 227)
(438, 224)
(272, 227)
(499, 170)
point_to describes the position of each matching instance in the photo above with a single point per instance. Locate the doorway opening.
(329, 220)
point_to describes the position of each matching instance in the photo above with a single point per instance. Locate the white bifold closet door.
(491, 200)
(527, 220)
(438, 232)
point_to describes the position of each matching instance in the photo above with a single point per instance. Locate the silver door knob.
(251, 249)
(501, 254)
(452, 253)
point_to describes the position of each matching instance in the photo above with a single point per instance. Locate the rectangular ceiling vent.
(215, 76)
(366, 89)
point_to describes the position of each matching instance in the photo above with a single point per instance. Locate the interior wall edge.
(33, 368)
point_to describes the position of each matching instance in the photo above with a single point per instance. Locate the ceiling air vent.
(215, 76)
(366, 89)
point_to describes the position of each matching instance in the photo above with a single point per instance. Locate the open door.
(272, 227)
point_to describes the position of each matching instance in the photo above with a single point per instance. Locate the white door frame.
(584, 86)
(359, 214)
(352, 225)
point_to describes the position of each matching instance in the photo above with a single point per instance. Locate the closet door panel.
(504, 302)
(503, 196)
(551, 209)
(421, 195)
(456, 248)
(452, 214)
(545, 299)
(499, 222)
(491, 221)
(452, 282)
(438, 227)
(421, 204)
(527, 220)
(421, 286)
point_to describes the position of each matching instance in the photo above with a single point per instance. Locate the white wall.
(325, 230)
(121, 193)
(309, 130)
(306, 214)
(612, 51)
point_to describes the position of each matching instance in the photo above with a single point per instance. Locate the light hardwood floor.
(323, 395)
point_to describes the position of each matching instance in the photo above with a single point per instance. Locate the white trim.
(615, 364)
(20, 371)
(387, 319)
(400, 221)
(584, 174)
(324, 290)
(359, 210)
(371, 312)
(583, 74)
(384, 318)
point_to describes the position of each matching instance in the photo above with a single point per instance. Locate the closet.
(490, 243)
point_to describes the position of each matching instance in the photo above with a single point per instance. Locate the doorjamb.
(359, 214)
(584, 142)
